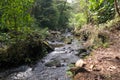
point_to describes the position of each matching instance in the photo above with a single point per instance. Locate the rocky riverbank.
(53, 66)
(23, 51)
(103, 63)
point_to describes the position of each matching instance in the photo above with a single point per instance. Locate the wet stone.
(56, 63)
(82, 55)
(82, 50)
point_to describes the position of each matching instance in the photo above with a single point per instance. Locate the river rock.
(82, 50)
(68, 41)
(79, 63)
(82, 55)
(56, 63)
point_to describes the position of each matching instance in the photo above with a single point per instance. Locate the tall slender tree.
(116, 7)
(64, 13)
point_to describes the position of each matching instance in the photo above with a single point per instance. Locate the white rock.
(79, 63)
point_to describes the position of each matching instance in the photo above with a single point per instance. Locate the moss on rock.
(24, 51)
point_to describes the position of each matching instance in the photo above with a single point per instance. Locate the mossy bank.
(23, 50)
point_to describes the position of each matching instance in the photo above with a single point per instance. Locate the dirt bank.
(103, 63)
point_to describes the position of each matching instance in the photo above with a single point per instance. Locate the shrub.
(94, 36)
(25, 50)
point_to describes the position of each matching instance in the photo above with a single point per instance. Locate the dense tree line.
(18, 14)
(53, 13)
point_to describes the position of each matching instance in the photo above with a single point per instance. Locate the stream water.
(51, 67)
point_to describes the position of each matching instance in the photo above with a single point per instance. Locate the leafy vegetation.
(24, 26)
(102, 10)
(93, 19)
(25, 50)
(92, 11)
(52, 14)
(15, 15)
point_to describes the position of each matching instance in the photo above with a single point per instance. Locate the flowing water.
(51, 67)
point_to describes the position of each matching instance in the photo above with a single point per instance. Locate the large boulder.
(79, 63)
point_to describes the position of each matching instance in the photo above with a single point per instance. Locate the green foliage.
(79, 14)
(94, 36)
(101, 11)
(15, 14)
(111, 25)
(102, 40)
(16, 36)
(69, 73)
(92, 11)
(78, 20)
(46, 13)
(19, 33)
(52, 14)
(64, 13)
(25, 50)
(4, 37)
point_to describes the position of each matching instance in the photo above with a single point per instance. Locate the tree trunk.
(116, 7)
(61, 12)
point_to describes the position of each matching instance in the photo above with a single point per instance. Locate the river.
(52, 67)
